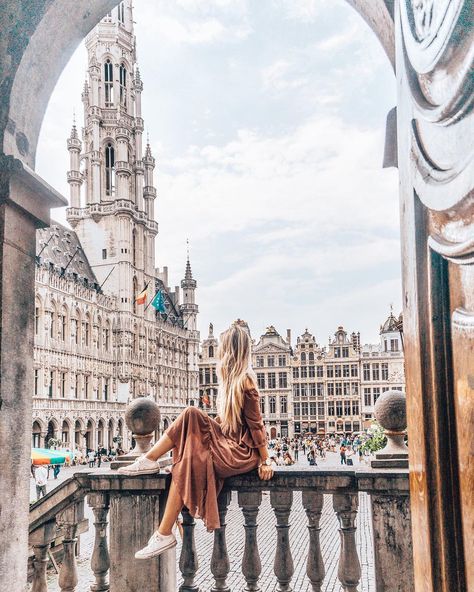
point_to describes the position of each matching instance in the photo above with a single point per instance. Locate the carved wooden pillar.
(68, 521)
(283, 565)
(220, 564)
(251, 565)
(349, 572)
(188, 561)
(40, 565)
(99, 502)
(434, 64)
(313, 505)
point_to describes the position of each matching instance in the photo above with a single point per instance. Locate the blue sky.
(267, 121)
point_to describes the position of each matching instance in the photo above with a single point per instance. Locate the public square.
(266, 541)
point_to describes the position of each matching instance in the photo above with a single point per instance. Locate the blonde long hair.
(235, 374)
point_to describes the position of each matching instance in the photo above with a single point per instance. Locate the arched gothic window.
(121, 13)
(135, 294)
(109, 83)
(109, 169)
(123, 85)
(134, 247)
(303, 357)
(211, 351)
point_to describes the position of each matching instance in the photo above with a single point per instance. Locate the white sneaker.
(157, 545)
(142, 466)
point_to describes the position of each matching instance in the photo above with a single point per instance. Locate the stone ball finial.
(391, 411)
(142, 416)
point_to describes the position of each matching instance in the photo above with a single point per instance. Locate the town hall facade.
(96, 346)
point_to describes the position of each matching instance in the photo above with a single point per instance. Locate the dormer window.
(123, 85)
(109, 83)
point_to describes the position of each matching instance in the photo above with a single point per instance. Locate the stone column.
(133, 518)
(393, 548)
(25, 201)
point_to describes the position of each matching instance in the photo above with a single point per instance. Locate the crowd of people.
(284, 451)
(85, 456)
(287, 451)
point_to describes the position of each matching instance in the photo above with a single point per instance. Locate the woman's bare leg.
(163, 446)
(174, 505)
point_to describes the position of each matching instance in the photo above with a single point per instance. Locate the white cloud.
(194, 31)
(191, 22)
(302, 10)
(342, 39)
(280, 76)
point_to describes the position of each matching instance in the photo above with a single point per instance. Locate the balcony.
(134, 505)
(59, 405)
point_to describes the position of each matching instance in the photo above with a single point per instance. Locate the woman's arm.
(254, 420)
(265, 472)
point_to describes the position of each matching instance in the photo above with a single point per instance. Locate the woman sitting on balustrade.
(207, 451)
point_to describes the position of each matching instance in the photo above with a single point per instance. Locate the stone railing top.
(336, 480)
(326, 480)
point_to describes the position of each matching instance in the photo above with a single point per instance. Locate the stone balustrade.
(60, 404)
(128, 509)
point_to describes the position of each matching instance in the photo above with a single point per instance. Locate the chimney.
(288, 337)
(356, 341)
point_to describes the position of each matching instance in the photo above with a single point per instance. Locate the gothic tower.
(189, 310)
(111, 180)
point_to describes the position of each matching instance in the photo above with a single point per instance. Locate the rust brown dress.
(205, 454)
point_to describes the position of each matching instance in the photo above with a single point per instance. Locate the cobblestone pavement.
(266, 541)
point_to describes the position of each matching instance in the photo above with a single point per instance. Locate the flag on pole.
(158, 302)
(141, 298)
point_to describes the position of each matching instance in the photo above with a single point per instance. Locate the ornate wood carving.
(435, 59)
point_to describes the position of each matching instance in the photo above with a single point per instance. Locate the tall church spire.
(189, 307)
(117, 201)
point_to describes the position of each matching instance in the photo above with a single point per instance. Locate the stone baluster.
(250, 501)
(220, 564)
(349, 572)
(313, 505)
(41, 540)
(283, 565)
(100, 563)
(40, 564)
(68, 521)
(188, 561)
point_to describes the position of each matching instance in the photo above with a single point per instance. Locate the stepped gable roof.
(60, 248)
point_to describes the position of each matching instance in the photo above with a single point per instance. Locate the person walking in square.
(205, 450)
(342, 452)
(41, 480)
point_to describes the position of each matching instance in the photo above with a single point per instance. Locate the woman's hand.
(265, 472)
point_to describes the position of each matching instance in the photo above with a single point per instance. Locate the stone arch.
(110, 433)
(78, 431)
(66, 433)
(90, 434)
(52, 430)
(38, 430)
(100, 432)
